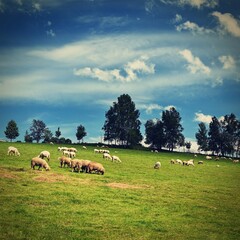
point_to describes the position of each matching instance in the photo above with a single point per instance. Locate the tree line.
(122, 127)
(38, 131)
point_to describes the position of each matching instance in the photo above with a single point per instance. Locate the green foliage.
(81, 133)
(122, 124)
(131, 201)
(37, 130)
(11, 130)
(58, 133)
(201, 136)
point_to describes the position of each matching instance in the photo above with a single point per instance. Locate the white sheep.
(116, 158)
(190, 163)
(96, 150)
(72, 154)
(84, 147)
(44, 154)
(172, 161)
(200, 162)
(235, 161)
(107, 156)
(208, 157)
(179, 161)
(13, 151)
(41, 163)
(157, 165)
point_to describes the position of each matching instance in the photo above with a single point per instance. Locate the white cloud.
(131, 69)
(200, 117)
(193, 3)
(194, 63)
(227, 61)
(228, 23)
(36, 7)
(193, 27)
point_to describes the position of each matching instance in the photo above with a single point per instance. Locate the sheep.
(172, 161)
(64, 161)
(41, 163)
(72, 149)
(185, 163)
(72, 154)
(195, 155)
(107, 156)
(190, 163)
(84, 147)
(13, 150)
(200, 162)
(84, 164)
(97, 167)
(179, 161)
(235, 161)
(208, 157)
(96, 150)
(44, 154)
(76, 163)
(116, 158)
(66, 153)
(157, 165)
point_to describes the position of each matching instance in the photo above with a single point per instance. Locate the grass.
(131, 201)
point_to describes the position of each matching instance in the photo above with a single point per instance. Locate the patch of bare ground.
(127, 186)
(54, 177)
(4, 173)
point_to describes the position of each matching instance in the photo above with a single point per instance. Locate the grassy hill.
(131, 201)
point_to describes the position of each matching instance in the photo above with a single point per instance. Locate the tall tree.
(155, 134)
(81, 133)
(37, 130)
(202, 138)
(47, 135)
(58, 133)
(122, 123)
(28, 137)
(172, 128)
(11, 130)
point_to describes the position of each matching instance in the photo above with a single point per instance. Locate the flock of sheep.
(68, 159)
(69, 154)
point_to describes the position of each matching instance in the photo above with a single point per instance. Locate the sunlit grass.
(131, 201)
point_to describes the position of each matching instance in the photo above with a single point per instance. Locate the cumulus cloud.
(228, 23)
(200, 117)
(177, 19)
(131, 70)
(193, 3)
(227, 61)
(194, 63)
(193, 27)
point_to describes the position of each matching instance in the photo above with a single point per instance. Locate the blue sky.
(66, 62)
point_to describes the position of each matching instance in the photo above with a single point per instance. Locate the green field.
(131, 201)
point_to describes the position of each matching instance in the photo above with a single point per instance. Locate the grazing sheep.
(172, 161)
(200, 162)
(235, 161)
(157, 165)
(179, 161)
(107, 156)
(13, 151)
(84, 147)
(185, 163)
(84, 164)
(66, 153)
(72, 149)
(76, 163)
(41, 163)
(116, 158)
(96, 167)
(96, 150)
(44, 154)
(208, 157)
(190, 163)
(195, 155)
(72, 154)
(64, 161)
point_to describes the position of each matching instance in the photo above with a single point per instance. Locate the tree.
(11, 130)
(81, 133)
(58, 133)
(172, 128)
(47, 135)
(27, 137)
(37, 130)
(201, 136)
(188, 146)
(155, 134)
(122, 123)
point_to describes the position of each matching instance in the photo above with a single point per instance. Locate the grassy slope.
(131, 201)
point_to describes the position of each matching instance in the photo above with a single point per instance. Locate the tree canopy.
(81, 133)
(38, 130)
(11, 130)
(122, 124)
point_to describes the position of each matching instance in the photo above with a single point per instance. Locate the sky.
(66, 62)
